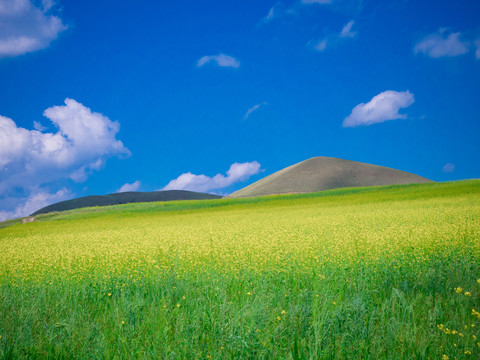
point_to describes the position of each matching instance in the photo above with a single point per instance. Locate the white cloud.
(202, 183)
(316, 1)
(30, 159)
(320, 45)
(221, 60)
(382, 107)
(440, 44)
(130, 187)
(34, 202)
(335, 38)
(25, 28)
(448, 168)
(252, 109)
(347, 30)
(272, 13)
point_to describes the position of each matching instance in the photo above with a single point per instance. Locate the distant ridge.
(323, 173)
(125, 198)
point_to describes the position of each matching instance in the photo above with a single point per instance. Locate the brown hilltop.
(323, 173)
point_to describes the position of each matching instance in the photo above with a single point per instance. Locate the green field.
(367, 273)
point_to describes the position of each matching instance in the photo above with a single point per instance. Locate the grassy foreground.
(385, 273)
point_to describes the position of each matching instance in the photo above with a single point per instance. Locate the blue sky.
(102, 96)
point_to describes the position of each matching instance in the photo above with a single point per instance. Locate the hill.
(125, 198)
(323, 173)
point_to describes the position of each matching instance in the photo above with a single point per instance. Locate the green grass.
(364, 273)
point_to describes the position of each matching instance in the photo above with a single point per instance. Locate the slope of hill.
(323, 173)
(125, 198)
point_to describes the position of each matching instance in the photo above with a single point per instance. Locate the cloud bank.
(202, 183)
(383, 107)
(30, 159)
(130, 187)
(221, 60)
(25, 28)
(442, 44)
(34, 202)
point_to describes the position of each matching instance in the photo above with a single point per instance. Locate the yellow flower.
(178, 305)
(249, 293)
(123, 322)
(445, 357)
(279, 318)
(458, 290)
(109, 294)
(478, 281)
(468, 293)
(467, 352)
(283, 312)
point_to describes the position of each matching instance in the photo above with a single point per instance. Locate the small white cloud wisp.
(441, 44)
(130, 187)
(221, 60)
(448, 168)
(252, 109)
(383, 107)
(26, 26)
(238, 172)
(347, 31)
(334, 38)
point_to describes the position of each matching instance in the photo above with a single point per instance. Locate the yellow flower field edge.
(383, 273)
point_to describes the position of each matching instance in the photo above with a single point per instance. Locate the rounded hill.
(323, 173)
(125, 198)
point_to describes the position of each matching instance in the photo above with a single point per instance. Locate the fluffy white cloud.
(34, 202)
(347, 30)
(130, 187)
(442, 44)
(382, 107)
(24, 27)
(252, 109)
(448, 168)
(202, 183)
(30, 159)
(221, 60)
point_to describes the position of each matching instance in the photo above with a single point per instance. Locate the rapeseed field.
(373, 273)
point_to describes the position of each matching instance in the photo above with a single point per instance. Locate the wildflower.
(467, 352)
(468, 293)
(458, 290)
(283, 312)
(445, 357)
(109, 294)
(249, 293)
(279, 318)
(123, 322)
(478, 281)
(178, 305)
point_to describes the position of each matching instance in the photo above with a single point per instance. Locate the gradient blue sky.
(98, 96)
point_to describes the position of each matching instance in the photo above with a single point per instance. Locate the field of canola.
(384, 273)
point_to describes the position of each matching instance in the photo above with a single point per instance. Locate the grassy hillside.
(380, 273)
(125, 198)
(323, 173)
